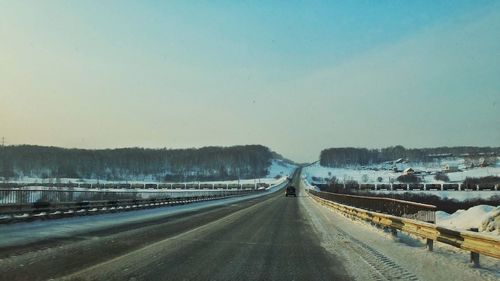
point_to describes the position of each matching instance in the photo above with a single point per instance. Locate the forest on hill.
(345, 156)
(207, 163)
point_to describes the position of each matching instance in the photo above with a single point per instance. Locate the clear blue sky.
(297, 76)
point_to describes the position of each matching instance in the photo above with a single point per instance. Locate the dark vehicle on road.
(290, 190)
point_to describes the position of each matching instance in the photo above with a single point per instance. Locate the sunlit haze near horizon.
(296, 76)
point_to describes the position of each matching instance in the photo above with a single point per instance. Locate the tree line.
(207, 163)
(333, 157)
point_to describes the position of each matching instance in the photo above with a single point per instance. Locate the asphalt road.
(266, 238)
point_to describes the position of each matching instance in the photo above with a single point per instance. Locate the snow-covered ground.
(484, 217)
(372, 173)
(277, 168)
(308, 185)
(316, 173)
(280, 168)
(370, 253)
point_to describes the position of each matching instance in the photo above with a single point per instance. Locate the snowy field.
(372, 173)
(318, 174)
(277, 168)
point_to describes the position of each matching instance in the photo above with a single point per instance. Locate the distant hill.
(335, 157)
(207, 163)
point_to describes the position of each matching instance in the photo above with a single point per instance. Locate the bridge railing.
(469, 240)
(29, 196)
(400, 208)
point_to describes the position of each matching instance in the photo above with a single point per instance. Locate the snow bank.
(492, 223)
(484, 217)
(307, 185)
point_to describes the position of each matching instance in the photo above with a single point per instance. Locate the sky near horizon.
(296, 76)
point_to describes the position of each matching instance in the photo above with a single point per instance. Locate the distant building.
(408, 171)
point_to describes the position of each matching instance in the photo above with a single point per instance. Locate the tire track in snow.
(381, 267)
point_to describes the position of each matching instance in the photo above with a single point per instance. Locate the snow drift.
(484, 217)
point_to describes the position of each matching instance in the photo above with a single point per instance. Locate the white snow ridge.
(484, 217)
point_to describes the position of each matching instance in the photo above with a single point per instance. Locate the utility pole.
(3, 141)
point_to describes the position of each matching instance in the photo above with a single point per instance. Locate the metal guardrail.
(467, 240)
(28, 196)
(24, 212)
(55, 208)
(417, 186)
(400, 208)
(47, 207)
(42, 201)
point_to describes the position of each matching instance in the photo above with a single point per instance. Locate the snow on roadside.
(310, 186)
(484, 217)
(409, 252)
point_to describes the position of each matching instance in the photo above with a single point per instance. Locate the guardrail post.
(430, 245)
(474, 257)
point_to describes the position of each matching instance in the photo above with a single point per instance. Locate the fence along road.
(466, 240)
(395, 207)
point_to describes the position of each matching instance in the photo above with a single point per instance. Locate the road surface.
(271, 237)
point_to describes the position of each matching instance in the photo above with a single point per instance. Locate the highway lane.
(266, 238)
